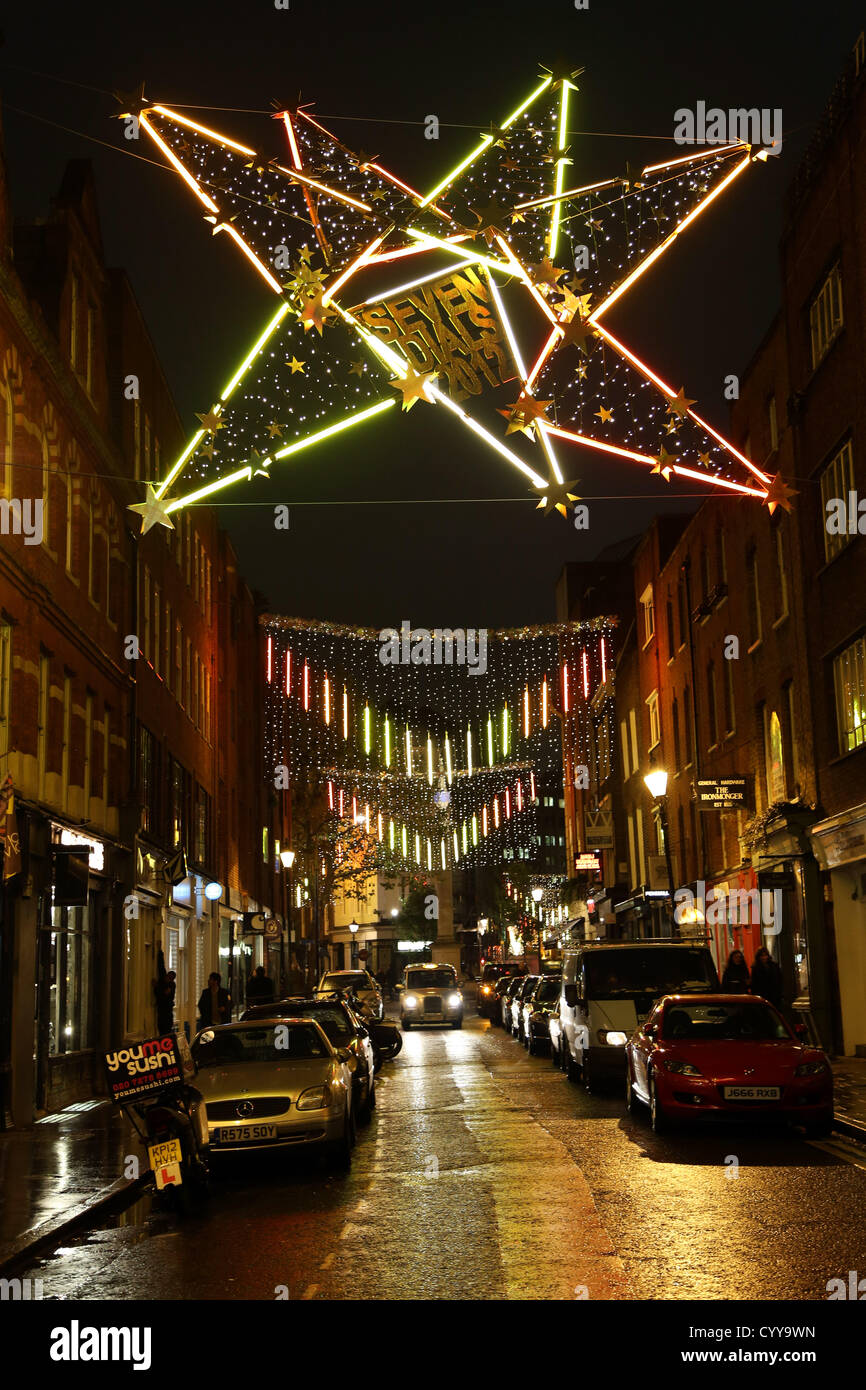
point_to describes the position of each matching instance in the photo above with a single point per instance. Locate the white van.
(609, 989)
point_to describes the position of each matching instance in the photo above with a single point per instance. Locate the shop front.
(840, 848)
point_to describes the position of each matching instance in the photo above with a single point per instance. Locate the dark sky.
(366, 544)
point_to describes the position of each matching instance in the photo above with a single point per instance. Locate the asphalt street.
(486, 1174)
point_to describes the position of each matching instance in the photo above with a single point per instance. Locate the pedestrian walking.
(215, 1004)
(260, 987)
(164, 988)
(767, 977)
(736, 977)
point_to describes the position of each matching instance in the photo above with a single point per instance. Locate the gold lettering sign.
(445, 327)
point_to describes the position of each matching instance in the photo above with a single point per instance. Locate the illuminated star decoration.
(152, 512)
(336, 215)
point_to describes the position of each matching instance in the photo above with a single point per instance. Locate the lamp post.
(287, 858)
(656, 781)
(537, 895)
(353, 928)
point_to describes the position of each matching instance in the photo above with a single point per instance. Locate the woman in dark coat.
(767, 977)
(736, 977)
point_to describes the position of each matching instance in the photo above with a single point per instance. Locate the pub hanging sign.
(723, 793)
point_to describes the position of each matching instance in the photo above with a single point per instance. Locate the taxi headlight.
(316, 1098)
(410, 1001)
(612, 1038)
(455, 1001)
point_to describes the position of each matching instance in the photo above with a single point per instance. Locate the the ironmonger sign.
(723, 793)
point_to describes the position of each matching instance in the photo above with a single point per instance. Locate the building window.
(178, 664)
(145, 582)
(147, 779)
(8, 440)
(675, 721)
(106, 756)
(753, 596)
(684, 617)
(712, 715)
(88, 751)
(46, 494)
(825, 315)
(177, 802)
(689, 729)
(136, 437)
(654, 723)
(264, 844)
(5, 691)
(792, 730)
(74, 296)
(849, 674)
(66, 741)
(70, 520)
(649, 621)
(147, 472)
(168, 655)
(776, 787)
(157, 635)
(187, 680)
(187, 548)
(781, 573)
(773, 423)
(730, 708)
(723, 559)
(42, 725)
(706, 581)
(837, 484)
(90, 347)
(635, 756)
(202, 823)
(70, 1016)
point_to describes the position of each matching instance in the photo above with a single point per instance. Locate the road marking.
(848, 1151)
(327, 1261)
(310, 1291)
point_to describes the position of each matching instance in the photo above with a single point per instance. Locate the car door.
(641, 1047)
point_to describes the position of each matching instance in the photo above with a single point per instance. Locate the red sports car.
(726, 1056)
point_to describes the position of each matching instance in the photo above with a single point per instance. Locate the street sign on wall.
(598, 829)
(722, 793)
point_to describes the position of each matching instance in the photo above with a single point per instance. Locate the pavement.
(71, 1170)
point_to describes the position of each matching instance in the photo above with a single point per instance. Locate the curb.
(854, 1129)
(48, 1233)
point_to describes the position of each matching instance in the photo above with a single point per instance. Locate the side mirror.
(571, 996)
(801, 1031)
(344, 1054)
(651, 1030)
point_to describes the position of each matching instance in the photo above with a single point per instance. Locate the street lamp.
(537, 895)
(287, 859)
(353, 928)
(656, 781)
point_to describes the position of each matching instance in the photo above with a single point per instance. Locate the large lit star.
(152, 512)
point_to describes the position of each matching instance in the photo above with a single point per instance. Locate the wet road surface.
(486, 1174)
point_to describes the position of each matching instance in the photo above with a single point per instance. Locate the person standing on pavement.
(164, 988)
(767, 977)
(260, 989)
(215, 1004)
(736, 977)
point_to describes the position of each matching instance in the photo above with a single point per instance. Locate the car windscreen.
(331, 1019)
(547, 992)
(656, 971)
(430, 979)
(346, 980)
(723, 1023)
(278, 1043)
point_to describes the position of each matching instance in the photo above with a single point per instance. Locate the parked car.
(507, 995)
(429, 993)
(360, 982)
(487, 1000)
(343, 1029)
(609, 989)
(523, 991)
(275, 1084)
(536, 1009)
(499, 988)
(727, 1057)
(557, 1055)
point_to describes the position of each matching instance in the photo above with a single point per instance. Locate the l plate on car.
(752, 1092)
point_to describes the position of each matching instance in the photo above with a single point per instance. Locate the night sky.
(366, 543)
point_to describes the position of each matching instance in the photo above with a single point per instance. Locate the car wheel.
(658, 1118)
(820, 1129)
(457, 1023)
(405, 1024)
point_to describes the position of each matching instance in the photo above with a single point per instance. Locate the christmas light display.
(443, 769)
(325, 228)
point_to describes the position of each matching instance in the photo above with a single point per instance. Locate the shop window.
(70, 1013)
(849, 675)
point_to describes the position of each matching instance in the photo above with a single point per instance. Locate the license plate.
(161, 1155)
(243, 1134)
(752, 1092)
